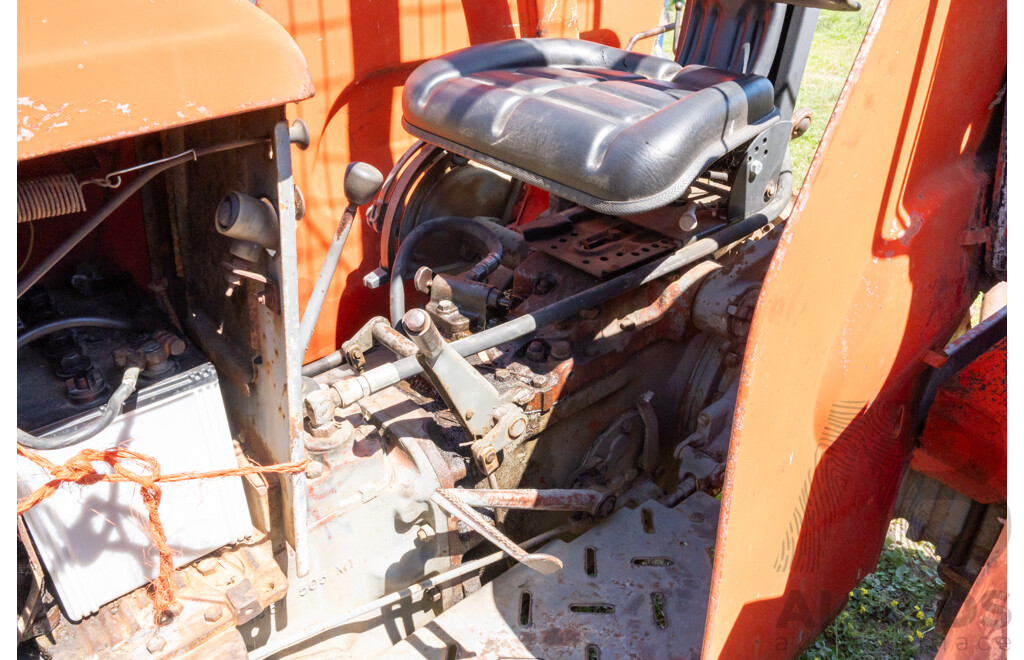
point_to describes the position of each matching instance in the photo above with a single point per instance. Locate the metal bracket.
(378, 330)
(542, 563)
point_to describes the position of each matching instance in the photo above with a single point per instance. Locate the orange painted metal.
(979, 631)
(360, 52)
(964, 440)
(869, 276)
(146, 66)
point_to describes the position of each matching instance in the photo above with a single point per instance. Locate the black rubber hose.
(108, 414)
(465, 225)
(75, 322)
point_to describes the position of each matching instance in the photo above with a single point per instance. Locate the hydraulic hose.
(108, 414)
(465, 225)
(351, 390)
(75, 322)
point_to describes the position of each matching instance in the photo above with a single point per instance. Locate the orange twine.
(79, 469)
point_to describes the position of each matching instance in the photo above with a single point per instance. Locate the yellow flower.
(929, 621)
(917, 607)
(863, 609)
(910, 637)
(894, 603)
(864, 591)
(920, 614)
(851, 594)
(845, 615)
(920, 634)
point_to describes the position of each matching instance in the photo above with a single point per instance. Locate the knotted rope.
(79, 469)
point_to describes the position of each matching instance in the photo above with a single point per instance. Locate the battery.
(93, 539)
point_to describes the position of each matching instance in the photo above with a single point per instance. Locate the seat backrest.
(750, 36)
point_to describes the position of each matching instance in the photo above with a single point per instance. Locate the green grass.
(891, 613)
(836, 41)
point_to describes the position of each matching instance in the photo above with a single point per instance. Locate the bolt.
(517, 428)
(156, 645)
(445, 306)
(207, 565)
(756, 167)
(627, 324)
(503, 375)
(416, 320)
(175, 608)
(423, 279)
(213, 612)
(561, 350)
(314, 470)
(731, 359)
(538, 381)
(323, 430)
(469, 414)
(535, 351)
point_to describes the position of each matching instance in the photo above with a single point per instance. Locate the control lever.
(362, 182)
(475, 403)
(448, 500)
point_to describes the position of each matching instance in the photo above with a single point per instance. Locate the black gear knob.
(362, 182)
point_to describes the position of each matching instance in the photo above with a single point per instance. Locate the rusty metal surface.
(603, 246)
(89, 73)
(214, 595)
(964, 439)
(635, 586)
(869, 276)
(551, 499)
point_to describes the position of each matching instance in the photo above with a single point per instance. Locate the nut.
(156, 645)
(535, 351)
(517, 428)
(445, 306)
(503, 375)
(538, 381)
(314, 470)
(213, 612)
(561, 350)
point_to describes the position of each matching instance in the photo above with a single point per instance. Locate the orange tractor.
(497, 329)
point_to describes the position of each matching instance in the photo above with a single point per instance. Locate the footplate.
(635, 586)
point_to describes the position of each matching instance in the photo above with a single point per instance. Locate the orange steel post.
(871, 273)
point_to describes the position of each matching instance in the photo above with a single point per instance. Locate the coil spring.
(49, 196)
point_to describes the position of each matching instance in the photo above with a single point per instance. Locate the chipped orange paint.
(869, 276)
(360, 53)
(146, 66)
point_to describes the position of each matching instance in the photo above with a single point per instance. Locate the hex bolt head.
(213, 613)
(314, 470)
(175, 608)
(445, 306)
(156, 645)
(503, 375)
(538, 381)
(207, 565)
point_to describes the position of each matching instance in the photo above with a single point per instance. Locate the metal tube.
(323, 280)
(384, 376)
(75, 322)
(551, 499)
(408, 592)
(677, 38)
(141, 179)
(653, 32)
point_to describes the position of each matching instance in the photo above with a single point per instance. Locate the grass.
(836, 41)
(891, 613)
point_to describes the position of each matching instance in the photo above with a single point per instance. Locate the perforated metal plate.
(635, 586)
(601, 247)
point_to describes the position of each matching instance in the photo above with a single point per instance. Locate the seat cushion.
(608, 129)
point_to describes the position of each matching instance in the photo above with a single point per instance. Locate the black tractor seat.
(608, 129)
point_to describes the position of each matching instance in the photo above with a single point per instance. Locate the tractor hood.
(96, 71)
